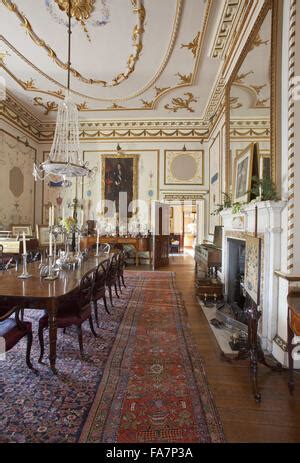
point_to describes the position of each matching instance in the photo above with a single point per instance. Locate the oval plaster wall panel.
(16, 181)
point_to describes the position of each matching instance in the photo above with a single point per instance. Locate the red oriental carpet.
(154, 388)
(141, 379)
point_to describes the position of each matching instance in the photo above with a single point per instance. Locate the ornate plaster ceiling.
(250, 94)
(130, 58)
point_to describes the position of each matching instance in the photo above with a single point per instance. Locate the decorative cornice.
(17, 116)
(231, 14)
(250, 128)
(164, 129)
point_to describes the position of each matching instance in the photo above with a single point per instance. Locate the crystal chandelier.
(65, 159)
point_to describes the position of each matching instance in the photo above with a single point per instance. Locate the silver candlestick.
(51, 274)
(24, 274)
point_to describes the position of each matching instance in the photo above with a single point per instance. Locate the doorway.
(186, 227)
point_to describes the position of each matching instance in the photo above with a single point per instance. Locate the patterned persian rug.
(141, 380)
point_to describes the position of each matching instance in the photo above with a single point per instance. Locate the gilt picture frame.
(242, 175)
(19, 229)
(192, 161)
(119, 174)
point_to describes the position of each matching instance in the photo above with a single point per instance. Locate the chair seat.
(67, 318)
(12, 334)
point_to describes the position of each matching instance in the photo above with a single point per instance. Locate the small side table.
(293, 327)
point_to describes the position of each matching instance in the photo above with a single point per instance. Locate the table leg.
(52, 311)
(137, 258)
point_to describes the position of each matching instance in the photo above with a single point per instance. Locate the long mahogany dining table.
(40, 294)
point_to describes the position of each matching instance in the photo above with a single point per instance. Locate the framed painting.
(265, 167)
(119, 175)
(253, 268)
(19, 229)
(42, 234)
(184, 167)
(242, 175)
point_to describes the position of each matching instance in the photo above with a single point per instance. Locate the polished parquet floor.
(277, 418)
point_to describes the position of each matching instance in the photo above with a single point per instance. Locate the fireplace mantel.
(269, 217)
(269, 228)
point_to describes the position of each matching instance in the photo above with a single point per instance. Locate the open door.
(161, 234)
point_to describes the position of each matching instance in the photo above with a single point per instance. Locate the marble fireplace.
(269, 229)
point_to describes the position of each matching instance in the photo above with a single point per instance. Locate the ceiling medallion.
(81, 9)
(137, 42)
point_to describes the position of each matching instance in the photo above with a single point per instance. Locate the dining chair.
(74, 309)
(12, 330)
(112, 275)
(121, 266)
(99, 288)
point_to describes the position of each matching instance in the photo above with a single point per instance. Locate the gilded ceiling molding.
(116, 106)
(244, 19)
(254, 91)
(181, 103)
(247, 128)
(258, 122)
(240, 78)
(147, 104)
(136, 134)
(193, 45)
(3, 56)
(258, 88)
(80, 9)
(263, 104)
(18, 121)
(214, 105)
(181, 129)
(234, 103)
(28, 84)
(231, 13)
(248, 133)
(160, 90)
(184, 78)
(22, 111)
(215, 101)
(258, 42)
(174, 34)
(49, 106)
(137, 36)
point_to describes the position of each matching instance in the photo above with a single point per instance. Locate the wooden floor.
(277, 418)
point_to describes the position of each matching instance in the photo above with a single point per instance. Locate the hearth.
(236, 271)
